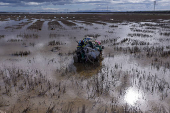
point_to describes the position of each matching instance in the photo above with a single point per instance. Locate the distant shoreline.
(91, 12)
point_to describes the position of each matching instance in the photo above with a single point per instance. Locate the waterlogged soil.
(38, 73)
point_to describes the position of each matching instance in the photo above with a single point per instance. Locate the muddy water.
(132, 76)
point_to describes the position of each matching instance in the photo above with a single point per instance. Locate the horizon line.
(157, 11)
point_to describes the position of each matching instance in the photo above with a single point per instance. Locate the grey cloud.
(98, 4)
(24, 2)
(61, 2)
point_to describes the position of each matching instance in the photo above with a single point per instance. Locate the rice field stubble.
(38, 74)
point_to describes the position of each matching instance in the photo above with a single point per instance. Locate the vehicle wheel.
(79, 57)
(75, 58)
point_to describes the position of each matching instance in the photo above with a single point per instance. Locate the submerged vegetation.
(21, 53)
(37, 25)
(38, 73)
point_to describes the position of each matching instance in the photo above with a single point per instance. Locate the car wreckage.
(88, 50)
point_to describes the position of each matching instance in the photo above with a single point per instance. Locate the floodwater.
(38, 73)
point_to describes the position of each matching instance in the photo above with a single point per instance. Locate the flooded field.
(38, 73)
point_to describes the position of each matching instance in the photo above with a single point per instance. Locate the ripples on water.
(126, 76)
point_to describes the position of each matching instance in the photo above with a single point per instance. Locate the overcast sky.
(81, 5)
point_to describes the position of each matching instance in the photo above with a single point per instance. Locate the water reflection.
(116, 74)
(40, 45)
(88, 69)
(132, 96)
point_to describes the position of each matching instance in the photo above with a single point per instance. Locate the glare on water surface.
(132, 96)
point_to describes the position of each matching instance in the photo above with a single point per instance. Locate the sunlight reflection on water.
(132, 96)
